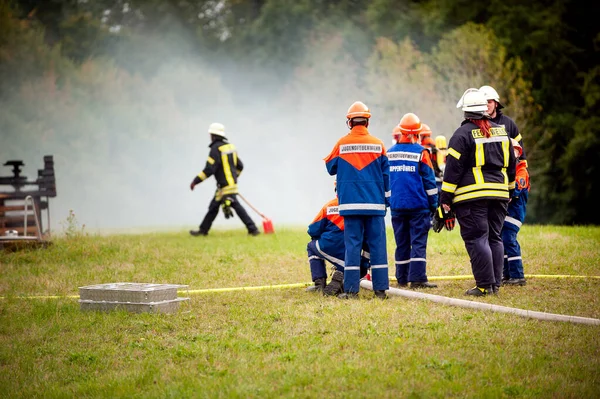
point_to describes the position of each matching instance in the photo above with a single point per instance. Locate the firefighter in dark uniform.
(223, 162)
(478, 181)
(496, 115)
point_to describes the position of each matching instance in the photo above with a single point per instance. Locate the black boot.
(336, 286)
(423, 284)
(480, 291)
(380, 294)
(319, 285)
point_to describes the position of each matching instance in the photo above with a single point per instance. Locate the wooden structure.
(23, 203)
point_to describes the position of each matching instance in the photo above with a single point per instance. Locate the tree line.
(67, 66)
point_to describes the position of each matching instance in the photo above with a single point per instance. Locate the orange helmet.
(358, 110)
(410, 124)
(426, 131)
(427, 142)
(396, 132)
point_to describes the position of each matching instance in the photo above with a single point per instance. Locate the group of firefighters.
(481, 179)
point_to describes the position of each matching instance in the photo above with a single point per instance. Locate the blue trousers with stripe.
(513, 263)
(316, 260)
(370, 230)
(411, 232)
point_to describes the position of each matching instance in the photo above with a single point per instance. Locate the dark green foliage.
(46, 46)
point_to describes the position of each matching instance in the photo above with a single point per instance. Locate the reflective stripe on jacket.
(412, 178)
(511, 128)
(328, 229)
(478, 167)
(359, 161)
(224, 163)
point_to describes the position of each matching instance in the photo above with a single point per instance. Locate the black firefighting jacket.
(224, 163)
(511, 128)
(478, 167)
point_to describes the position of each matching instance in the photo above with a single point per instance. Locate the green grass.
(284, 342)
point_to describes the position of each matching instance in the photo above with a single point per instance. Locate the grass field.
(276, 342)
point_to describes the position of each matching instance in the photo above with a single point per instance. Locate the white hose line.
(470, 276)
(484, 306)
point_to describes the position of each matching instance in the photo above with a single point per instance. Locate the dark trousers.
(480, 226)
(213, 211)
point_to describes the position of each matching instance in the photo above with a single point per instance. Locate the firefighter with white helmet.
(217, 129)
(513, 263)
(359, 161)
(496, 115)
(478, 182)
(225, 164)
(414, 197)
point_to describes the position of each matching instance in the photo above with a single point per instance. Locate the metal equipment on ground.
(132, 297)
(21, 209)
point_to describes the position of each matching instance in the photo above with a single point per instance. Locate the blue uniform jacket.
(412, 179)
(328, 229)
(359, 161)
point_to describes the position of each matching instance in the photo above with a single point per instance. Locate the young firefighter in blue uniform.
(359, 161)
(513, 263)
(478, 181)
(327, 243)
(414, 198)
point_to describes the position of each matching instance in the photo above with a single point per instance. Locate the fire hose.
(484, 306)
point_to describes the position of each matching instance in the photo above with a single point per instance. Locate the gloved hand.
(437, 224)
(443, 219)
(226, 205)
(192, 185)
(450, 220)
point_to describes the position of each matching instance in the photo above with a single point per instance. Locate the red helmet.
(358, 110)
(410, 124)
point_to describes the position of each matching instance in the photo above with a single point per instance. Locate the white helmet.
(491, 94)
(217, 129)
(472, 100)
